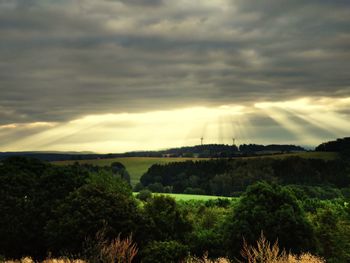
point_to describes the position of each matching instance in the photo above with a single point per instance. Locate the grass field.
(187, 197)
(137, 166)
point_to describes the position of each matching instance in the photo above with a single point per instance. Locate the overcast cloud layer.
(62, 60)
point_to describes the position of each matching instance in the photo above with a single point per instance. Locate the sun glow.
(305, 121)
(325, 114)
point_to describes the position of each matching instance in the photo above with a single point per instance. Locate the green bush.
(164, 251)
(156, 188)
(144, 195)
(333, 233)
(30, 190)
(273, 210)
(165, 220)
(86, 211)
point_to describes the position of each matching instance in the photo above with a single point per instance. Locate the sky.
(125, 75)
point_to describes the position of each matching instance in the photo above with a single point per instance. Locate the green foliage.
(332, 232)
(274, 211)
(119, 169)
(164, 251)
(46, 208)
(30, 190)
(166, 221)
(138, 187)
(156, 188)
(136, 166)
(144, 195)
(207, 235)
(207, 240)
(227, 177)
(303, 192)
(87, 210)
(109, 181)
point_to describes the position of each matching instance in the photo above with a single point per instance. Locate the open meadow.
(189, 197)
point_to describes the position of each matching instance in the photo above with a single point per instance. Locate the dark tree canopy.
(34, 193)
(230, 177)
(29, 191)
(85, 212)
(273, 210)
(166, 222)
(338, 145)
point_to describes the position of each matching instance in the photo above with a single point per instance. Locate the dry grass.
(205, 259)
(124, 251)
(104, 250)
(264, 252)
(118, 250)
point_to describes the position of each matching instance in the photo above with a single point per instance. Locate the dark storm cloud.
(151, 3)
(63, 59)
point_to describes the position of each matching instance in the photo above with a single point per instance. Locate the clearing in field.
(188, 197)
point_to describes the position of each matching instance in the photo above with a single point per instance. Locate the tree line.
(229, 177)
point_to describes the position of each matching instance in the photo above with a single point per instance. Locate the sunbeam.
(303, 121)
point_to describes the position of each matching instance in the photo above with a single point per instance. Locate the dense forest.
(340, 145)
(227, 177)
(72, 210)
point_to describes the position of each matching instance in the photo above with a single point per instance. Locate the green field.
(137, 166)
(187, 197)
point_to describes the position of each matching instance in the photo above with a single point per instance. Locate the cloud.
(151, 3)
(62, 60)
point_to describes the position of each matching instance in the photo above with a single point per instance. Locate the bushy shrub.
(164, 251)
(273, 210)
(84, 212)
(165, 220)
(144, 195)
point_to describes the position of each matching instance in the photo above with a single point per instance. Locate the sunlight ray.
(300, 132)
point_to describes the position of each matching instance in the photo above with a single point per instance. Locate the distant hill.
(200, 151)
(340, 145)
(52, 156)
(272, 148)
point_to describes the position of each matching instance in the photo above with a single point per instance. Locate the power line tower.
(202, 140)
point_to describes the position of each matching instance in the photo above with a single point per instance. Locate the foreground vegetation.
(60, 211)
(124, 251)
